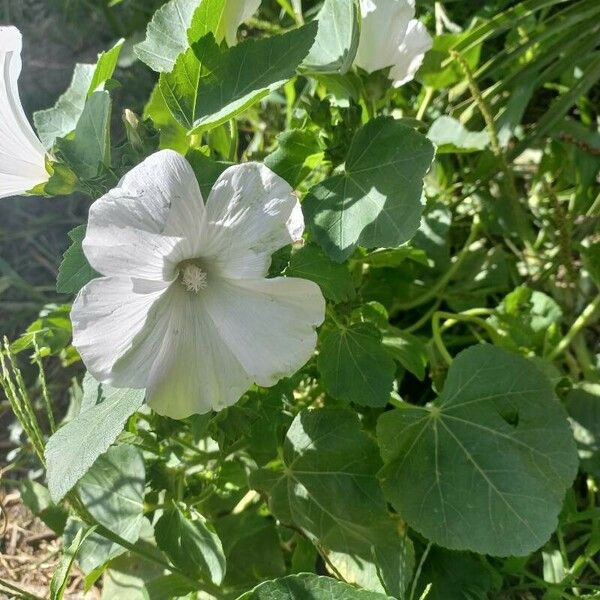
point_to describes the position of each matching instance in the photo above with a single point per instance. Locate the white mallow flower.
(184, 308)
(22, 155)
(236, 13)
(391, 37)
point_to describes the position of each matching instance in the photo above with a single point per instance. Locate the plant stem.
(580, 323)
(429, 91)
(440, 285)
(80, 510)
(452, 319)
(42, 378)
(484, 109)
(424, 556)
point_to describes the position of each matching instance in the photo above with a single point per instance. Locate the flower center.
(192, 276)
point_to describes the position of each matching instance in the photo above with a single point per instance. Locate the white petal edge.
(384, 26)
(269, 324)
(151, 221)
(22, 155)
(251, 213)
(236, 12)
(107, 316)
(411, 53)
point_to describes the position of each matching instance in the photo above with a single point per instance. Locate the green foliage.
(498, 453)
(377, 200)
(74, 448)
(337, 39)
(190, 544)
(308, 587)
(74, 271)
(355, 366)
(429, 449)
(58, 585)
(209, 85)
(328, 489)
(334, 279)
(88, 152)
(112, 492)
(59, 121)
(166, 36)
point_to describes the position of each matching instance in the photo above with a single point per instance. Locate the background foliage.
(443, 442)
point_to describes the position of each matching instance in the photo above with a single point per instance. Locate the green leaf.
(328, 488)
(209, 85)
(37, 499)
(486, 466)
(394, 257)
(172, 134)
(409, 350)
(252, 547)
(207, 170)
(335, 280)
(451, 136)
(376, 201)
(166, 35)
(354, 365)
(307, 586)
(337, 39)
(454, 576)
(190, 544)
(105, 67)
(298, 154)
(74, 271)
(89, 150)
(259, 420)
(439, 70)
(112, 491)
(591, 261)
(60, 579)
(74, 448)
(528, 318)
(583, 406)
(59, 121)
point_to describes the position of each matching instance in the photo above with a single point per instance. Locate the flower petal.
(269, 324)
(107, 315)
(251, 213)
(154, 219)
(411, 53)
(194, 371)
(22, 155)
(236, 12)
(384, 25)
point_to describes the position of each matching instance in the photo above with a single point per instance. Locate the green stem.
(42, 378)
(416, 326)
(468, 316)
(106, 533)
(441, 284)
(486, 113)
(580, 323)
(429, 91)
(424, 556)
(437, 339)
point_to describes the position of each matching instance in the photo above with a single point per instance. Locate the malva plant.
(333, 308)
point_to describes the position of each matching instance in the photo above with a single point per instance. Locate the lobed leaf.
(486, 466)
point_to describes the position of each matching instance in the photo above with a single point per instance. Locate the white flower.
(22, 155)
(391, 37)
(236, 12)
(184, 308)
